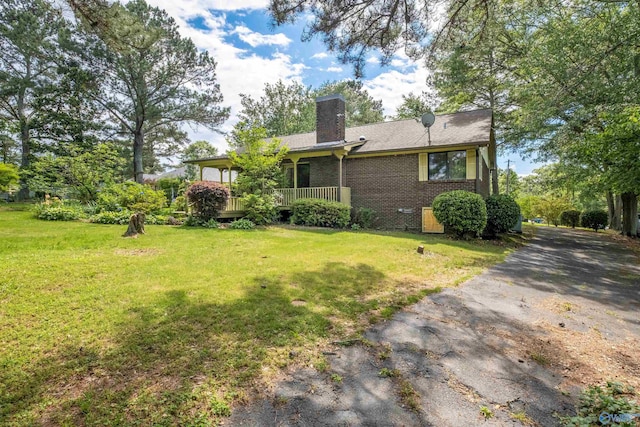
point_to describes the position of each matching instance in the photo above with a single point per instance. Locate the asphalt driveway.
(518, 342)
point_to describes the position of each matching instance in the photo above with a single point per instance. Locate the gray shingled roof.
(465, 128)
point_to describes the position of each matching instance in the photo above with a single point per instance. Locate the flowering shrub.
(207, 199)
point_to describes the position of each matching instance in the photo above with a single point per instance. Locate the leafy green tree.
(260, 173)
(8, 146)
(514, 182)
(284, 109)
(581, 67)
(79, 175)
(28, 38)
(528, 205)
(151, 77)
(413, 106)
(259, 162)
(197, 150)
(360, 107)
(9, 176)
(550, 208)
(290, 109)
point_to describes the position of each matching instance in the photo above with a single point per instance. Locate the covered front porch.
(297, 180)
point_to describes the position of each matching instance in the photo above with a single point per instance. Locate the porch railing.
(286, 196)
(234, 204)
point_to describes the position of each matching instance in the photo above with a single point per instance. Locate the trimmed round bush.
(131, 196)
(595, 219)
(320, 213)
(502, 214)
(462, 212)
(207, 198)
(570, 218)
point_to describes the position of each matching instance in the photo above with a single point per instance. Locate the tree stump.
(136, 225)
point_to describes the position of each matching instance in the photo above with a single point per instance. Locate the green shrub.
(172, 187)
(595, 219)
(460, 211)
(131, 196)
(207, 199)
(320, 213)
(179, 204)
(242, 224)
(212, 223)
(121, 217)
(570, 218)
(58, 212)
(260, 209)
(605, 406)
(502, 214)
(363, 217)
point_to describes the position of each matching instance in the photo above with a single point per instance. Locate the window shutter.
(423, 167)
(471, 164)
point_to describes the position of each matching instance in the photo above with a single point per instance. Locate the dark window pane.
(303, 175)
(457, 164)
(438, 166)
(288, 177)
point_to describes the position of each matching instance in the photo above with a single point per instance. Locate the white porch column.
(295, 171)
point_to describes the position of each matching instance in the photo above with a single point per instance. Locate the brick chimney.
(330, 119)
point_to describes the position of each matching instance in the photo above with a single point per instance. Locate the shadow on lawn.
(181, 360)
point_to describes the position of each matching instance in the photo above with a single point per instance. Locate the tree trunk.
(614, 205)
(629, 214)
(136, 225)
(25, 141)
(138, 145)
(617, 203)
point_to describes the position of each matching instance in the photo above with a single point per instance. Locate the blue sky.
(251, 53)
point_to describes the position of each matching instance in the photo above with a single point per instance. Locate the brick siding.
(323, 171)
(330, 119)
(387, 184)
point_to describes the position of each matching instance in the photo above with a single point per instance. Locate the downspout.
(340, 178)
(477, 168)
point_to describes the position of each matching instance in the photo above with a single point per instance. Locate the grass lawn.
(174, 327)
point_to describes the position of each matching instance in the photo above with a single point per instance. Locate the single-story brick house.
(396, 168)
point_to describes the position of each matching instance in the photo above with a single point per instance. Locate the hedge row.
(320, 213)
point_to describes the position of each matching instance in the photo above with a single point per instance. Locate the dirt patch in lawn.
(137, 252)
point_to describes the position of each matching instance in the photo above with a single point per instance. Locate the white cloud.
(320, 55)
(372, 60)
(239, 70)
(191, 8)
(389, 86)
(254, 39)
(334, 69)
(400, 63)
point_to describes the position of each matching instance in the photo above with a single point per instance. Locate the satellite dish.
(428, 119)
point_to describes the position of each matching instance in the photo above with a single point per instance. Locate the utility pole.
(508, 173)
